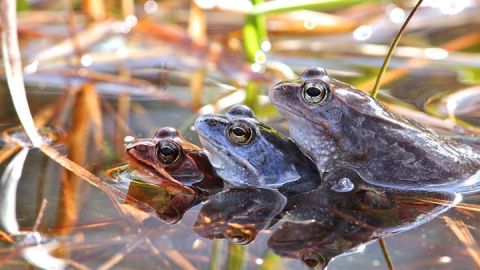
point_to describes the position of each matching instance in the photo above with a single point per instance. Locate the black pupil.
(313, 91)
(240, 132)
(167, 151)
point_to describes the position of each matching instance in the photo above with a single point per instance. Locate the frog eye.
(314, 260)
(168, 152)
(240, 133)
(240, 236)
(315, 93)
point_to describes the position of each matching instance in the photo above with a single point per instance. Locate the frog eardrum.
(168, 152)
(315, 92)
(240, 133)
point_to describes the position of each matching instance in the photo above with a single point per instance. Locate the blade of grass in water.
(271, 261)
(215, 257)
(388, 259)
(392, 49)
(399, 35)
(236, 257)
(13, 70)
(279, 6)
(250, 39)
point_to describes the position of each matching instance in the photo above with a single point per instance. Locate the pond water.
(52, 219)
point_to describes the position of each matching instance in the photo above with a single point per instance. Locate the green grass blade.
(236, 257)
(250, 38)
(271, 261)
(279, 6)
(215, 258)
(392, 49)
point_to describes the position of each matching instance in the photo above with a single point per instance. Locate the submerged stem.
(392, 49)
(384, 248)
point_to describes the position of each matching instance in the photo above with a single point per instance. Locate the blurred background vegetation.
(100, 72)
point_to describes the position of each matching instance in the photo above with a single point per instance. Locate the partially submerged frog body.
(246, 152)
(340, 126)
(322, 224)
(168, 155)
(155, 198)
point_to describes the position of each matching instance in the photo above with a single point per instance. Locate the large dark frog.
(168, 154)
(340, 126)
(246, 152)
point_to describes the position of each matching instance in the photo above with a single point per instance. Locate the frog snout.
(139, 146)
(205, 123)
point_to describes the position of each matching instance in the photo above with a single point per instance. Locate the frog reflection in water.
(318, 225)
(169, 154)
(246, 152)
(239, 214)
(338, 125)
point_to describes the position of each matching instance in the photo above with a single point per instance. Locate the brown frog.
(168, 155)
(338, 125)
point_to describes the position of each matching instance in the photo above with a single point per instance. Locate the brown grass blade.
(129, 247)
(81, 172)
(465, 236)
(6, 237)
(85, 38)
(40, 214)
(180, 260)
(197, 81)
(14, 71)
(121, 125)
(95, 9)
(197, 24)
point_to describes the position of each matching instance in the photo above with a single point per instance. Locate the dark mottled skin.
(320, 225)
(351, 129)
(192, 167)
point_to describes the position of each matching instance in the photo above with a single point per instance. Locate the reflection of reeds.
(121, 124)
(215, 254)
(129, 247)
(6, 237)
(236, 257)
(197, 82)
(179, 259)
(465, 236)
(86, 114)
(271, 261)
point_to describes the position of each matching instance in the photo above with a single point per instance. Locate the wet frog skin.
(169, 155)
(340, 126)
(156, 199)
(322, 224)
(239, 214)
(246, 152)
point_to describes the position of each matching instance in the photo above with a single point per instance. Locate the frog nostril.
(212, 122)
(141, 148)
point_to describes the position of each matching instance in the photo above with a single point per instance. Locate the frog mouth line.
(224, 154)
(302, 116)
(146, 166)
